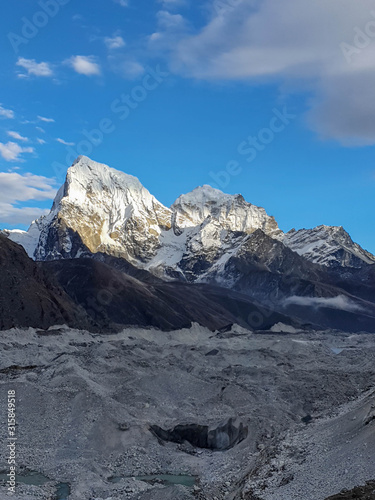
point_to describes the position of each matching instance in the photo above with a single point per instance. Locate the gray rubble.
(86, 402)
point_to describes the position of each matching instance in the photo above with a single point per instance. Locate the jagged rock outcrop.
(231, 212)
(329, 246)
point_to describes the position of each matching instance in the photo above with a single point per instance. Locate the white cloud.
(154, 37)
(298, 43)
(115, 42)
(11, 214)
(34, 68)
(132, 69)
(11, 151)
(46, 120)
(16, 188)
(6, 113)
(17, 136)
(26, 187)
(123, 3)
(339, 302)
(61, 141)
(41, 141)
(168, 21)
(84, 65)
(40, 129)
(125, 67)
(171, 28)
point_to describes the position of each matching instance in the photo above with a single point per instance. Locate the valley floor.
(85, 404)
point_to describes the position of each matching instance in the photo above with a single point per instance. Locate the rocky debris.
(14, 369)
(359, 493)
(71, 408)
(333, 452)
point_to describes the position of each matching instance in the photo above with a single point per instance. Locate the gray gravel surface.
(85, 403)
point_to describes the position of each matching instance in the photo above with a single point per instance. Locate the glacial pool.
(35, 478)
(167, 479)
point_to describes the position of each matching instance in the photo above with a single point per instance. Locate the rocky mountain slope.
(113, 299)
(90, 294)
(104, 210)
(206, 236)
(28, 297)
(328, 246)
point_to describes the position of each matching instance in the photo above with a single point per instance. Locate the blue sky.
(271, 99)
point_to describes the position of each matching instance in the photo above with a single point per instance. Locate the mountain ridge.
(205, 237)
(111, 212)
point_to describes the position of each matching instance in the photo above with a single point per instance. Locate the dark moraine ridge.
(28, 297)
(366, 492)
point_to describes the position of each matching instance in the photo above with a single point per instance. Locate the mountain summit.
(100, 209)
(206, 238)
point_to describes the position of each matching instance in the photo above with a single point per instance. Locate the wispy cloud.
(339, 302)
(6, 113)
(16, 189)
(40, 141)
(169, 21)
(17, 136)
(40, 129)
(297, 43)
(15, 215)
(171, 29)
(115, 42)
(34, 68)
(132, 69)
(126, 67)
(11, 151)
(123, 3)
(84, 65)
(46, 120)
(61, 141)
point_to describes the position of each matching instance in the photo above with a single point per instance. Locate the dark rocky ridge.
(112, 299)
(105, 293)
(360, 493)
(28, 297)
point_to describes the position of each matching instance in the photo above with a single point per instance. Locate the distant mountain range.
(105, 227)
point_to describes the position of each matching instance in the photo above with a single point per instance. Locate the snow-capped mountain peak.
(87, 177)
(328, 246)
(231, 211)
(100, 209)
